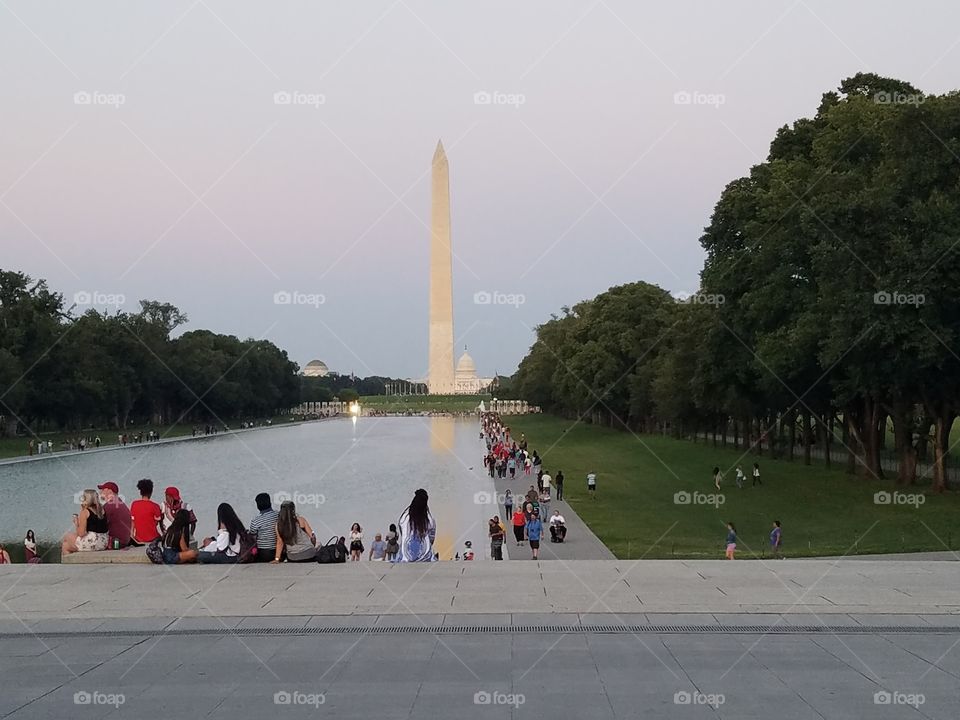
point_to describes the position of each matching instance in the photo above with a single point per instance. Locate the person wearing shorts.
(534, 532)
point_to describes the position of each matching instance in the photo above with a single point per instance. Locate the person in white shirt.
(558, 528)
(546, 481)
(225, 546)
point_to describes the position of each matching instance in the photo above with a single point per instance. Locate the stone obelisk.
(440, 377)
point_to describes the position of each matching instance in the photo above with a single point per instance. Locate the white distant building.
(316, 368)
(466, 381)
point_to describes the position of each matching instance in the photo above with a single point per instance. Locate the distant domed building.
(465, 377)
(316, 368)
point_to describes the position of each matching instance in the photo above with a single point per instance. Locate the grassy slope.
(824, 512)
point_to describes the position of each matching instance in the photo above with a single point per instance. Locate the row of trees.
(58, 371)
(827, 310)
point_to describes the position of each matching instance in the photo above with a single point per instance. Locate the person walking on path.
(496, 532)
(534, 533)
(558, 481)
(731, 540)
(544, 506)
(717, 477)
(756, 475)
(592, 484)
(393, 543)
(508, 504)
(776, 540)
(519, 524)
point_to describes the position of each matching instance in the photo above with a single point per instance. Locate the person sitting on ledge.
(176, 541)
(294, 536)
(117, 512)
(145, 514)
(90, 526)
(225, 547)
(264, 526)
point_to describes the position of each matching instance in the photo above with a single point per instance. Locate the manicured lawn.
(424, 403)
(823, 512)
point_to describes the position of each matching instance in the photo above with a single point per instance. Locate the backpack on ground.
(333, 552)
(248, 547)
(155, 552)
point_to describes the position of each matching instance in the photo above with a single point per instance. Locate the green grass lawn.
(421, 403)
(823, 512)
(17, 447)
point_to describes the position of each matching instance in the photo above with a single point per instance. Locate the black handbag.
(333, 552)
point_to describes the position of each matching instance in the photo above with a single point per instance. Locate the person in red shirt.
(519, 525)
(146, 515)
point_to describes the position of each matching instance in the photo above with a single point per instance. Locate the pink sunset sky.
(213, 154)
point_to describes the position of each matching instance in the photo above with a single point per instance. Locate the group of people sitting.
(167, 531)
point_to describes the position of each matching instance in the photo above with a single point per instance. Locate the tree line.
(827, 310)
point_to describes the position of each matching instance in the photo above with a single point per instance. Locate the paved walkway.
(811, 587)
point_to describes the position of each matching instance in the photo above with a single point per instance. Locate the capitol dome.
(466, 367)
(316, 368)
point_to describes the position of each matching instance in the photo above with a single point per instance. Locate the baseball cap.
(172, 492)
(109, 486)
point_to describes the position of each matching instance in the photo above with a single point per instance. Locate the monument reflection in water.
(338, 472)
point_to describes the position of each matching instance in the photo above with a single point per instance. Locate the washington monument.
(440, 377)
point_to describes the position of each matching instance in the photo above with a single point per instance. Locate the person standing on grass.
(534, 532)
(717, 477)
(740, 477)
(731, 540)
(776, 540)
(592, 484)
(558, 481)
(756, 475)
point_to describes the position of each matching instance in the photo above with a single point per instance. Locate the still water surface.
(339, 471)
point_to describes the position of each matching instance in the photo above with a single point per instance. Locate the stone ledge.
(125, 556)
